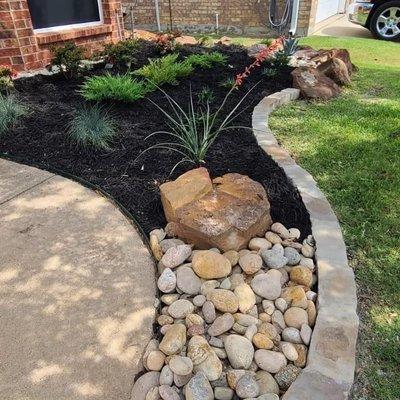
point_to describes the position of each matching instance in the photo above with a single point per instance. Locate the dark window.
(51, 13)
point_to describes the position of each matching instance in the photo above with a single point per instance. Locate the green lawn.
(351, 145)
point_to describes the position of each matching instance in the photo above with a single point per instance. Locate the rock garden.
(165, 129)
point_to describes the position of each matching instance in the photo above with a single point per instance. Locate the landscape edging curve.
(329, 373)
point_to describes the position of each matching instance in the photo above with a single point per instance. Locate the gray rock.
(223, 393)
(181, 365)
(221, 325)
(181, 380)
(225, 284)
(199, 300)
(167, 281)
(274, 258)
(287, 375)
(176, 255)
(166, 244)
(144, 384)
(166, 376)
(153, 394)
(187, 280)
(270, 361)
(174, 339)
(291, 335)
(266, 382)
(247, 387)
(289, 351)
(180, 308)
(209, 312)
(199, 388)
(240, 351)
(250, 263)
(281, 304)
(216, 342)
(305, 334)
(266, 287)
(292, 255)
(167, 393)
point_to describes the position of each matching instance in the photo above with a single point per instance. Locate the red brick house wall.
(23, 49)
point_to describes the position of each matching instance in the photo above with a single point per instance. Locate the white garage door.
(326, 8)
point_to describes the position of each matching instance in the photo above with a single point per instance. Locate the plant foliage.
(68, 59)
(113, 87)
(6, 75)
(92, 127)
(207, 60)
(123, 54)
(206, 96)
(193, 132)
(10, 111)
(166, 69)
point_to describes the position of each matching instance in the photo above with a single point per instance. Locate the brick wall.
(235, 16)
(24, 50)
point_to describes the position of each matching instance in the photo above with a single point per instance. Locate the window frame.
(74, 26)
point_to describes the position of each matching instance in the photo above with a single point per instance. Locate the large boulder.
(224, 213)
(335, 69)
(314, 84)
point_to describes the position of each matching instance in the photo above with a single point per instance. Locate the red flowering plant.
(263, 55)
(6, 78)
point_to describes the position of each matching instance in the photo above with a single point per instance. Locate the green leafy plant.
(10, 111)
(166, 42)
(123, 54)
(290, 46)
(6, 75)
(207, 60)
(270, 72)
(206, 96)
(228, 83)
(68, 59)
(203, 40)
(109, 87)
(165, 70)
(92, 126)
(266, 41)
(193, 132)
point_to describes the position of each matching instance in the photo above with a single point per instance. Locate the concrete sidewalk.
(77, 289)
(340, 26)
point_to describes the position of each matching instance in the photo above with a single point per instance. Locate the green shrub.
(270, 72)
(266, 41)
(68, 59)
(6, 75)
(92, 126)
(228, 83)
(207, 60)
(10, 111)
(123, 54)
(206, 96)
(165, 70)
(109, 87)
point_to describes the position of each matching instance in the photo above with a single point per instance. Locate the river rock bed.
(233, 325)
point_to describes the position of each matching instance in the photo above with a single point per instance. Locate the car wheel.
(385, 22)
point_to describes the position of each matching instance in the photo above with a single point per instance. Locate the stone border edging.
(329, 373)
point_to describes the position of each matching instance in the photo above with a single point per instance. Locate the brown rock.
(208, 264)
(302, 352)
(225, 215)
(262, 341)
(224, 300)
(335, 69)
(313, 84)
(301, 275)
(187, 188)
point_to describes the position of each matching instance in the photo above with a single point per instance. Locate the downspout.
(158, 15)
(295, 18)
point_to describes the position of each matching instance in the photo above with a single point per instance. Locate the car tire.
(385, 21)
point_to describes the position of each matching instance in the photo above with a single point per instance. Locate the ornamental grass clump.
(193, 131)
(92, 126)
(165, 70)
(113, 87)
(10, 111)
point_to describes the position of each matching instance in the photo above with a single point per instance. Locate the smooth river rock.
(199, 388)
(240, 351)
(208, 264)
(223, 300)
(174, 339)
(270, 361)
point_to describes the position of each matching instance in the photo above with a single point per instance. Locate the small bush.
(68, 59)
(166, 42)
(228, 83)
(10, 111)
(165, 70)
(206, 96)
(207, 60)
(270, 72)
(109, 87)
(122, 54)
(6, 75)
(92, 126)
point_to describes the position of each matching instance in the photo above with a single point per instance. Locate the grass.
(207, 60)
(113, 87)
(10, 112)
(92, 126)
(351, 145)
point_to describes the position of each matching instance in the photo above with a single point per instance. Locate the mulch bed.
(40, 139)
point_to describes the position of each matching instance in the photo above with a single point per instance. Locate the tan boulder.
(225, 213)
(210, 265)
